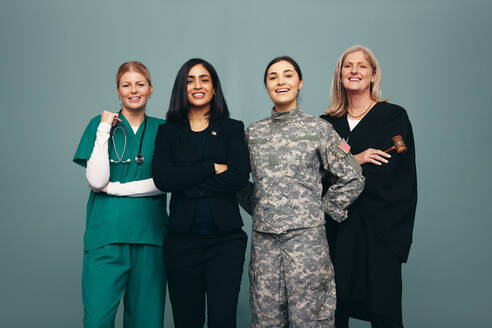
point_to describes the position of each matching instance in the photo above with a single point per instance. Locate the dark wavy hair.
(287, 59)
(179, 106)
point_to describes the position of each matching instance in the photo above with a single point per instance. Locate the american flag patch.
(345, 147)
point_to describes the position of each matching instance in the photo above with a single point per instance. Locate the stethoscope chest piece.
(139, 159)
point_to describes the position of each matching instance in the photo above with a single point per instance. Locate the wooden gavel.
(398, 144)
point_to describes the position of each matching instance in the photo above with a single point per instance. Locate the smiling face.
(283, 85)
(357, 73)
(199, 87)
(134, 91)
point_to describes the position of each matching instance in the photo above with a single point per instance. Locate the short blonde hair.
(132, 66)
(338, 96)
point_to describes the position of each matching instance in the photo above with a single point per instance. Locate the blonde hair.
(338, 96)
(132, 66)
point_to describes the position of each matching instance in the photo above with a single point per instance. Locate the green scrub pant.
(135, 270)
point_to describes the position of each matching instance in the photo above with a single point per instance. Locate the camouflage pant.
(292, 280)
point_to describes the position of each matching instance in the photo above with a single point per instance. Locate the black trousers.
(342, 320)
(200, 266)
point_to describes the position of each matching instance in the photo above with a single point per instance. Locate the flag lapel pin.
(345, 147)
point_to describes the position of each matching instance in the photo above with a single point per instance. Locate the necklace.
(363, 113)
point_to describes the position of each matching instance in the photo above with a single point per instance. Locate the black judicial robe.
(369, 247)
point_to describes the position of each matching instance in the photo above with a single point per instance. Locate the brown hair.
(132, 66)
(287, 59)
(338, 96)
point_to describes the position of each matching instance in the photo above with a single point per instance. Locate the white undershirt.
(352, 123)
(97, 171)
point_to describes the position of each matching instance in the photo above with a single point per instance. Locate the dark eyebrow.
(201, 76)
(272, 73)
(288, 70)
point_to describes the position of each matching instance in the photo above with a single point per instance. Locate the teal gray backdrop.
(57, 69)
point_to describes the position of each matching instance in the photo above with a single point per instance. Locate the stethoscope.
(139, 159)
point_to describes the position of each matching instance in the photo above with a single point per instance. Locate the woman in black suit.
(202, 159)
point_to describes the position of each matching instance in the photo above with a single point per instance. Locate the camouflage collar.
(285, 116)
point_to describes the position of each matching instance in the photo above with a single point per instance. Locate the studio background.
(58, 64)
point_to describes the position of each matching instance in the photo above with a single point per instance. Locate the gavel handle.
(390, 149)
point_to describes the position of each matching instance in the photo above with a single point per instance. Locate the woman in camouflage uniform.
(290, 271)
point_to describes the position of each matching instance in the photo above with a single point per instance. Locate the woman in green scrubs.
(124, 235)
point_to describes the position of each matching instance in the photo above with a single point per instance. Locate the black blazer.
(175, 169)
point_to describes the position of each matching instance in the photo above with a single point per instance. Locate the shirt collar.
(285, 116)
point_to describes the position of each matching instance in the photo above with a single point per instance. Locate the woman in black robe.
(370, 246)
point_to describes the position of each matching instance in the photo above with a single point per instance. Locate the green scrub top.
(113, 219)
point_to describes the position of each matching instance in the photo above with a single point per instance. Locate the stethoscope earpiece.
(124, 162)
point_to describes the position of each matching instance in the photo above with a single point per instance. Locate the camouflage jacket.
(288, 152)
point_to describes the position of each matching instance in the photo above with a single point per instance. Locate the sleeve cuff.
(211, 168)
(109, 188)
